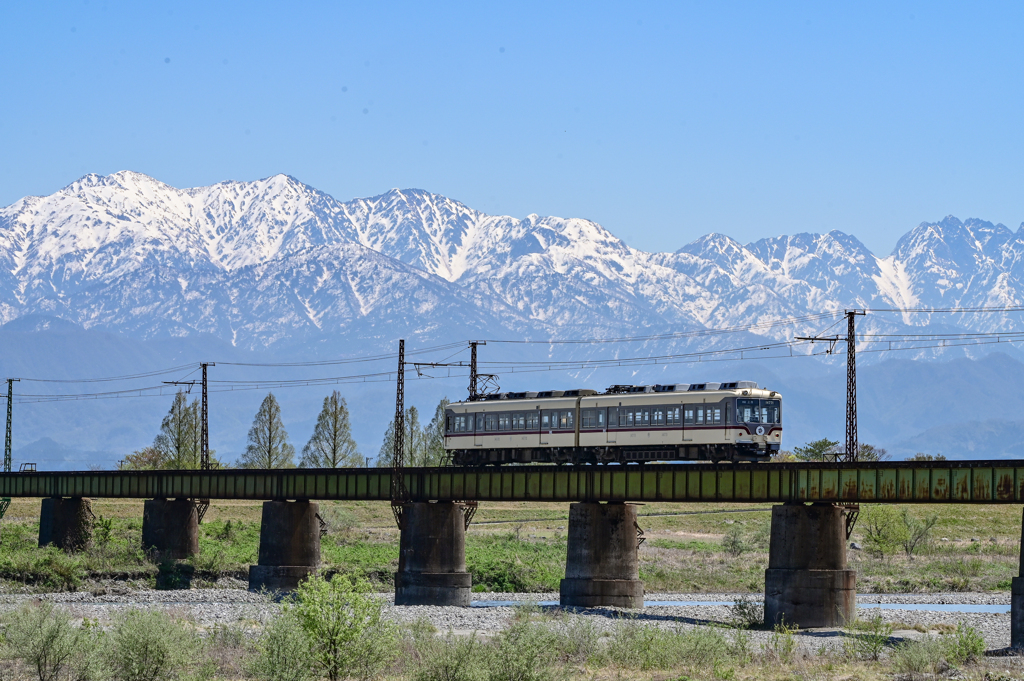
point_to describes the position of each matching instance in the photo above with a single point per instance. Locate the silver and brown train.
(735, 421)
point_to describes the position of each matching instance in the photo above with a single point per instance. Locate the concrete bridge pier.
(66, 522)
(170, 528)
(432, 556)
(1017, 600)
(602, 566)
(289, 545)
(807, 583)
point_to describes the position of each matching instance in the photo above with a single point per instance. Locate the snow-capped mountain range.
(275, 263)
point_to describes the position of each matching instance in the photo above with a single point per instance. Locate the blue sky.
(662, 121)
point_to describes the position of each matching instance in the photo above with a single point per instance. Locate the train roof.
(624, 390)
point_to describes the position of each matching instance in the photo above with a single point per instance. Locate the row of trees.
(178, 444)
(827, 450)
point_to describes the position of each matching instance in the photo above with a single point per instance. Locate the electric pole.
(472, 369)
(8, 460)
(852, 449)
(202, 505)
(399, 494)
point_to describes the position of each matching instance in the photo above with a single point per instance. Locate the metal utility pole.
(8, 461)
(202, 505)
(399, 493)
(472, 369)
(852, 449)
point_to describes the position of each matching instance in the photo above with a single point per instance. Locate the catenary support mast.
(399, 494)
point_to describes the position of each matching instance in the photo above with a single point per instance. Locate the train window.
(588, 418)
(479, 423)
(747, 411)
(700, 416)
(771, 411)
(567, 418)
(490, 421)
(728, 413)
(532, 420)
(546, 419)
(519, 421)
(717, 411)
(688, 411)
(625, 418)
(504, 422)
(600, 418)
(658, 416)
(672, 416)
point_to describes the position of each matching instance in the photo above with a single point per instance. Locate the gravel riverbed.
(238, 607)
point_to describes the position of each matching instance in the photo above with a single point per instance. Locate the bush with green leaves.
(747, 612)
(150, 645)
(345, 625)
(450, 658)
(963, 645)
(645, 647)
(883, 528)
(524, 652)
(283, 651)
(733, 542)
(866, 639)
(924, 656)
(44, 638)
(781, 645)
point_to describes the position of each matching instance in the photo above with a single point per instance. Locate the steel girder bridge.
(958, 482)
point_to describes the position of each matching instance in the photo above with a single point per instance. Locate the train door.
(612, 421)
(478, 431)
(546, 425)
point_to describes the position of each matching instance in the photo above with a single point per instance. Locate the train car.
(735, 421)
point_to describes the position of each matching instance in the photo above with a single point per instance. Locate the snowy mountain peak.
(275, 261)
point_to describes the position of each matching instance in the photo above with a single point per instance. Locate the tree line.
(178, 445)
(827, 450)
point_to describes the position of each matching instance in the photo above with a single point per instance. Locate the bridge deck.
(886, 482)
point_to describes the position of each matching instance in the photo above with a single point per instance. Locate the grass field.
(521, 547)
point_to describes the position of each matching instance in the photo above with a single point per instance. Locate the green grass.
(522, 546)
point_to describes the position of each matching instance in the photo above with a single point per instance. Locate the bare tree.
(332, 445)
(268, 440)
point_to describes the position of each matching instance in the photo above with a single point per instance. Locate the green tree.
(145, 459)
(424, 446)
(885, 533)
(331, 444)
(921, 456)
(866, 452)
(818, 450)
(268, 440)
(178, 440)
(348, 634)
(414, 440)
(433, 437)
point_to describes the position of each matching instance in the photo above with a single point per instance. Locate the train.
(731, 421)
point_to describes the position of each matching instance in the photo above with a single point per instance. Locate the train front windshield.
(759, 411)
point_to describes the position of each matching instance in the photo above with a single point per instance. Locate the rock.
(975, 539)
(730, 522)
(855, 546)
(944, 539)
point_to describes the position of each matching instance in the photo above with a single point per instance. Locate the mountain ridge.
(275, 261)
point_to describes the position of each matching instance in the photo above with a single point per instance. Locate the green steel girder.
(984, 482)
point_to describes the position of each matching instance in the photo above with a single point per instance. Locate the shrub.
(147, 645)
(348, 634)
(449, 658)
(578, 640)
(733, 542)
(282, 652)
(926, 656)
(647, 647)
(747, 613)
(524, 653)
(884, 531)
(866, 640)
(44, 638)
(963, 645)
(781, 645)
